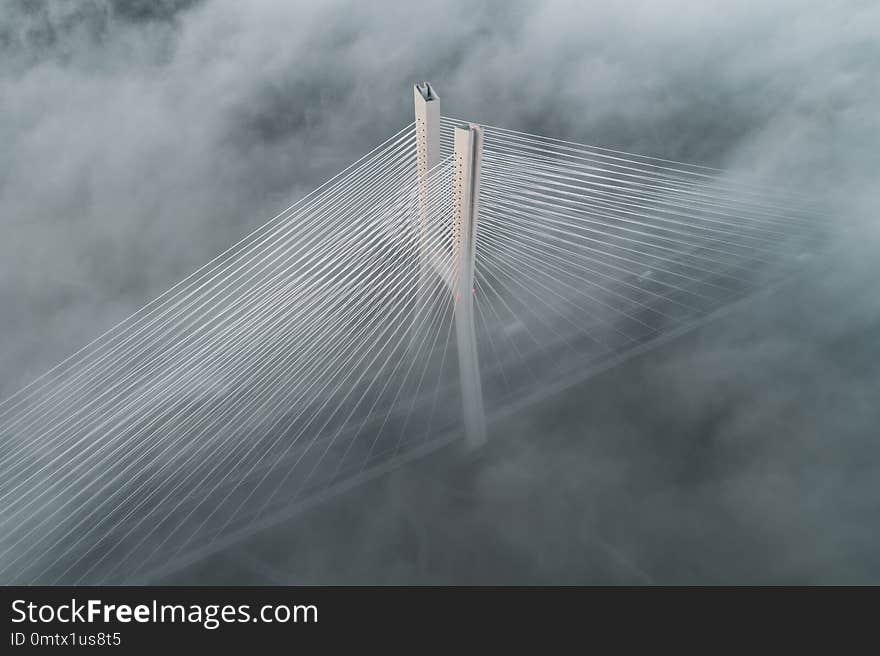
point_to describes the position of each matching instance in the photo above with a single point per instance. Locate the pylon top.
(427, 91)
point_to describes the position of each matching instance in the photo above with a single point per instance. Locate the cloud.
(141, 138)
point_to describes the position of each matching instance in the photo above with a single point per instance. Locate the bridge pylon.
(466, 158)
(428, 156)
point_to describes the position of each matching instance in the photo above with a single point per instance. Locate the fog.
(139, 139)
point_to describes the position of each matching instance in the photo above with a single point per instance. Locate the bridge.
(453, 275)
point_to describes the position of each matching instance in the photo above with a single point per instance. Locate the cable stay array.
(586, 253)
(316, 350)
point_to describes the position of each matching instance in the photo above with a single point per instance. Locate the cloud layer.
(142, 138)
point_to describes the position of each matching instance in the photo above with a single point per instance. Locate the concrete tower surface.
(466, 157)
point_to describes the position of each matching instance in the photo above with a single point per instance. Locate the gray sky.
(142, 138)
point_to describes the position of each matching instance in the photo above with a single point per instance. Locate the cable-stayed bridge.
(454, 273)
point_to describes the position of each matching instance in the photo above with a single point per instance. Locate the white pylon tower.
(467, 153)
(427, 109)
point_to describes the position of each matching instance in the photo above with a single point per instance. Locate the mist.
(140, 139)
